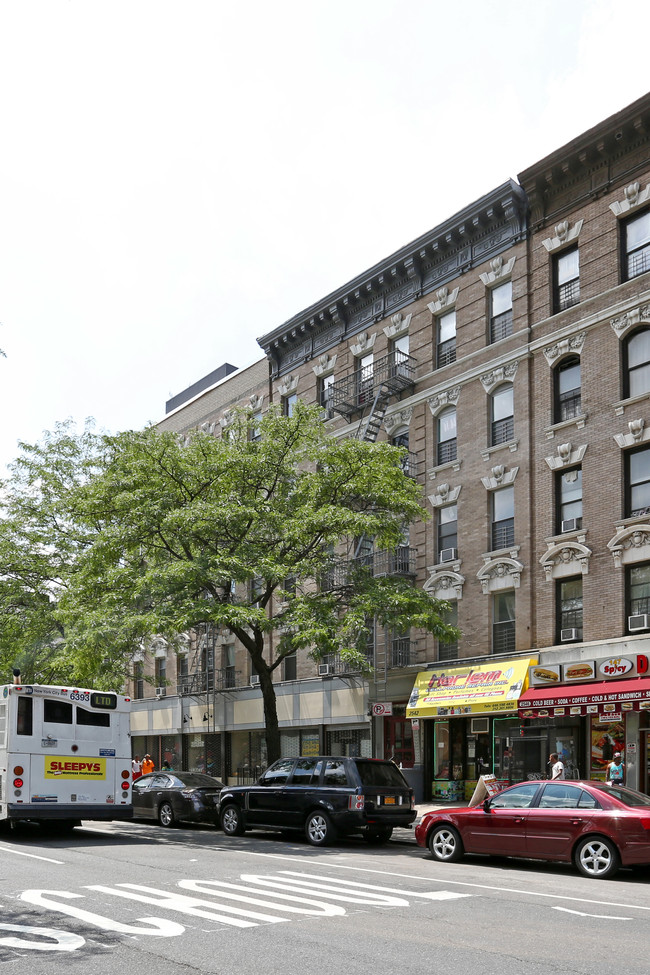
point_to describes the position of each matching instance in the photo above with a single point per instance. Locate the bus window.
(24, 723)
(100, 719)
(58, 712)
(3, 723)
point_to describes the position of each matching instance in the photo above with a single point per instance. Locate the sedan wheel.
(319, 829)
(445, 844)
(597, 857)
(231, 821)
(166, 815)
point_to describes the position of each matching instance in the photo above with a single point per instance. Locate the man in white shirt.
(557, 770)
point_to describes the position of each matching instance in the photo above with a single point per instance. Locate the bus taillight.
(18, 770)
(125, 785)
(18, 783)
(126, 774)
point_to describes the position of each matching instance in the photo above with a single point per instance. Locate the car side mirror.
(486, 805)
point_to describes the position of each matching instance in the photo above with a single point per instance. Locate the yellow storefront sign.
(64, 767)
(476, 689)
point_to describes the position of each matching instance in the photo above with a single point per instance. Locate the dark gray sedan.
(177, 797)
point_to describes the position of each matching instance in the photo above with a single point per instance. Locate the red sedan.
(596, 826)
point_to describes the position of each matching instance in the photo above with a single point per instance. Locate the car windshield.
(195, 780)
(627, 796)
(381, 774)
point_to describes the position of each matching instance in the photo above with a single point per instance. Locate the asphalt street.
(133, 898)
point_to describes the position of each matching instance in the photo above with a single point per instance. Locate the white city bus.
(65, 754)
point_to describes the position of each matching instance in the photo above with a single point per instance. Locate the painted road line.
(32, 856)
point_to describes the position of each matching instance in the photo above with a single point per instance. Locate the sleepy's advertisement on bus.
(61, 767)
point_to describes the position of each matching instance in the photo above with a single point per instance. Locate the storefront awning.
(604, 698)
(477, 689)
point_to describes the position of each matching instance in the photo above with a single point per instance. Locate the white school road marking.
(447, 883)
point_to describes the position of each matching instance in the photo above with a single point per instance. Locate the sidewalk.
(407, 834)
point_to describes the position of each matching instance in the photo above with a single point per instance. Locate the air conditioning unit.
(161, 692)
(479, 726)
(638, 622)
(324, 670)
(255, 680)
(569, 634)
(447, 554)
(571, 524)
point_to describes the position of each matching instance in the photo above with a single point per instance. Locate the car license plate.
(389, 800)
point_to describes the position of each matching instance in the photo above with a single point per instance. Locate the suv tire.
(319, 829)
(231, 820)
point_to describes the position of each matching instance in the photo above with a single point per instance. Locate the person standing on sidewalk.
(557, 769)
(615, 773)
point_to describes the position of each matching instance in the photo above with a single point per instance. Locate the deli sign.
(584, 671)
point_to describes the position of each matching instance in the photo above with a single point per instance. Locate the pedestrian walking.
(615, 773)
(136, 768)
(557, 766)
(148, 764)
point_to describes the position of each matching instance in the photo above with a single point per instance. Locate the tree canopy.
(150, 533)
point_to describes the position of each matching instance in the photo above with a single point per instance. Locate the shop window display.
(606, 738)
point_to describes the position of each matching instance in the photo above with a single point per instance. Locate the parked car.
(596, 826)
(323, 796)
(174, 797)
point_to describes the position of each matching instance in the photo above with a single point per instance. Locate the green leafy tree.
(148, 533)
(253, 533)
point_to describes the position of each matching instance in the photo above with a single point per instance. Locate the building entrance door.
(398, 741)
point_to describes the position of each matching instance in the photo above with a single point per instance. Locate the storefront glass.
(355, 742)
(607, 737)
(248, 756)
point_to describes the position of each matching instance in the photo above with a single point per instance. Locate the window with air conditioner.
(324, 670)
(638, 597)
(254, 680)
(568, 487)
(447, 532)
(569, 609)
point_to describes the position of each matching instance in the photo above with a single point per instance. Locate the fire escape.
(367, 394)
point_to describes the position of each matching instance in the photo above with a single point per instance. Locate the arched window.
(502, 421)
(446, 450)
(637, 363)
(567, 398)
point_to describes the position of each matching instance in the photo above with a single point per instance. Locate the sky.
(180, 178)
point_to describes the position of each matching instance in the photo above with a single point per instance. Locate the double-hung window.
(503, 622)
(503, 518)
(447, 444)
(502, 426)
(325, 393)
(566, 279)
(637, 363)
(289, 404)
(569, 500)
(446, 346)
(637, 483)
(501, 312)
(635, 242)
(568, 393)
(569, 609)
(447, 533)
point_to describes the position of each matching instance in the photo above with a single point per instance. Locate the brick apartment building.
(508, 349)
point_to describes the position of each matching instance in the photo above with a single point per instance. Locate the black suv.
(324, 796)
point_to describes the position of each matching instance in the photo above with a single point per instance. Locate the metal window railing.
(501, 326)
(567, 295)
(503, 636)
(447, 451)
(638, 262)
(569, 404)
(503, 430)
(446, 353)
(400, 561)
(402, 652)
(503, 534)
